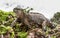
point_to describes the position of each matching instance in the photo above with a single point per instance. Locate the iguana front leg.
(13, 23)
(26, 22)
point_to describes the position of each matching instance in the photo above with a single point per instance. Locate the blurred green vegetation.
(6, 19)
(56, 18)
